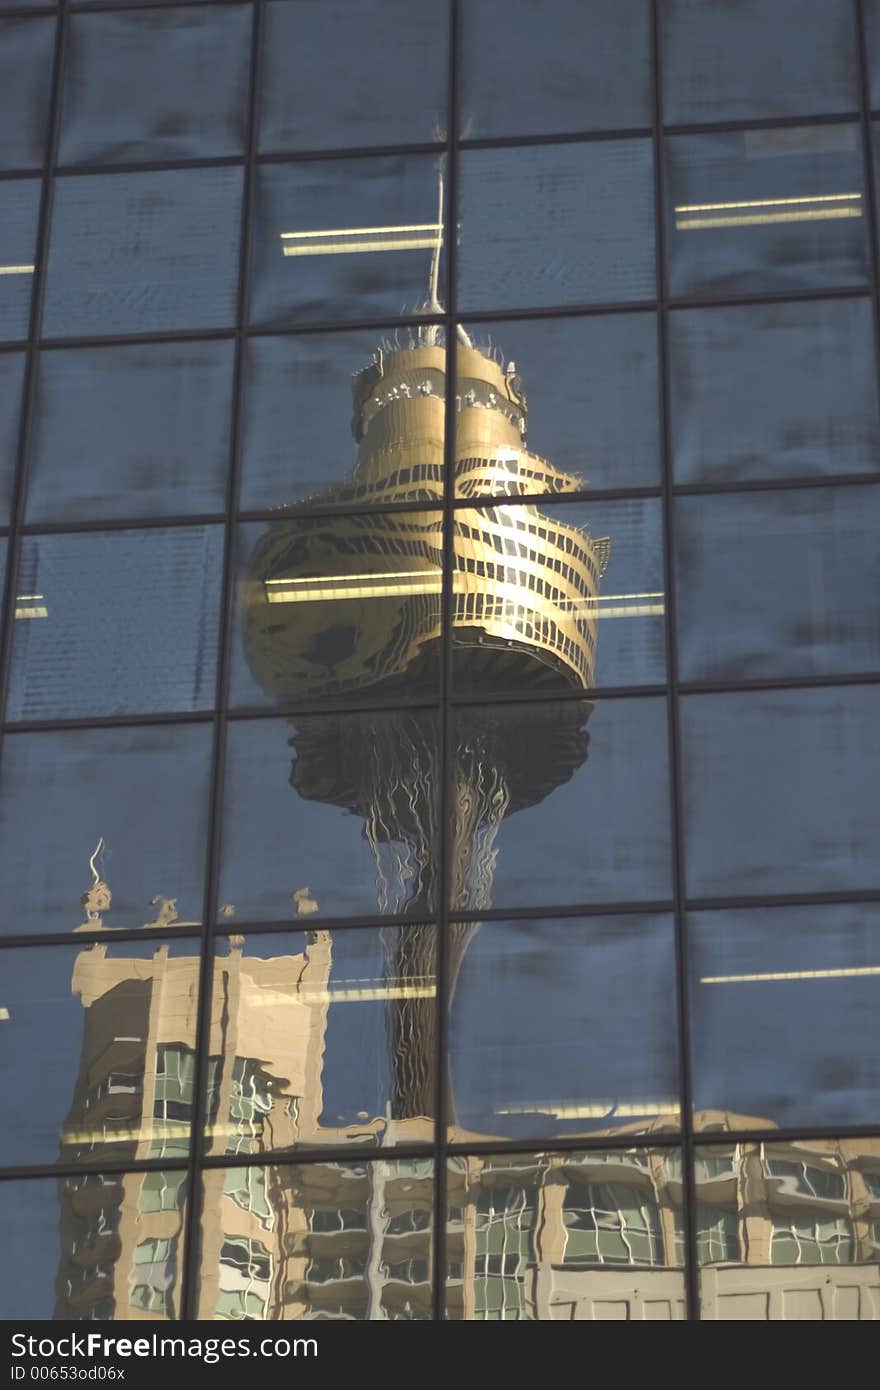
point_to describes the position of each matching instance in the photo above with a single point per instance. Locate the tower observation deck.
(351, 603)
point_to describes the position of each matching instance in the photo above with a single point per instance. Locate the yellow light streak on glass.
(690, 224)
(842, 973)
(364, 231)
(409, 583)
(30, 606)
(594, 1110)
(334, 241)
(770, 202)
(332, 248)
(16, 270)
(348, 991)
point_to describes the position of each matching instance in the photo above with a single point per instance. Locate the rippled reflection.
(334, 1240)
(790, 1231)
(94, 1247)
(784, 1231)
(576, 1236)
(319, 1039)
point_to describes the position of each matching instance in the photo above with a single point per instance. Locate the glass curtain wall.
(440, 661)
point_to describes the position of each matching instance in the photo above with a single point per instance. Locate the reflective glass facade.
(440, 668)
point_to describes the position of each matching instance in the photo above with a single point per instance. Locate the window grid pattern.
(190, 1092)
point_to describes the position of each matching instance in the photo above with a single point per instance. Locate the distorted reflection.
(104, 1036)
(280, 1071)
(137, 796)
(583, 389)
(345, 805)
(92, 1247)
(320, 1039)
(350, 606)
(790, 1231)
(573, 1237)
(328, 1240)
(784, 1231)
(122, 1239)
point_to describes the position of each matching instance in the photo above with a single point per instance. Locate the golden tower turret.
(350, 602)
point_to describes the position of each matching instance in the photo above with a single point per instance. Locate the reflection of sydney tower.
(350, 605)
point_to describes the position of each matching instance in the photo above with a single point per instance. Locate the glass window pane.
(353, 73)
(571, 1237)
(167, 84)
(341, 1241)
(27, 48)
(77, 1231)
(562, 1027)
(153, 421)
(765, 210)
(724, 62)
(339, 607)
(779, 791)
(561, 803)
(85, 1035)
(331, 815)
(532, 584)
(141, 253)
(152, 647)
(19, 206)
(104, 823)
(324, 1038)
(872, 48)
(579, 394)
(11, 383)
(786, 1016)
(774, 390)
(342, 419)
(343, 239)
(791, 1214)
(778, 583)
(581, 67)
(556, 224)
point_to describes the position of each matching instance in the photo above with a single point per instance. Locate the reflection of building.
(277, 1241)
(785, 1231)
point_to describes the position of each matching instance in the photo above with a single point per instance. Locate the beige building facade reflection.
(785, 1230)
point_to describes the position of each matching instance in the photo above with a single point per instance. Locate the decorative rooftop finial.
(98, 898)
